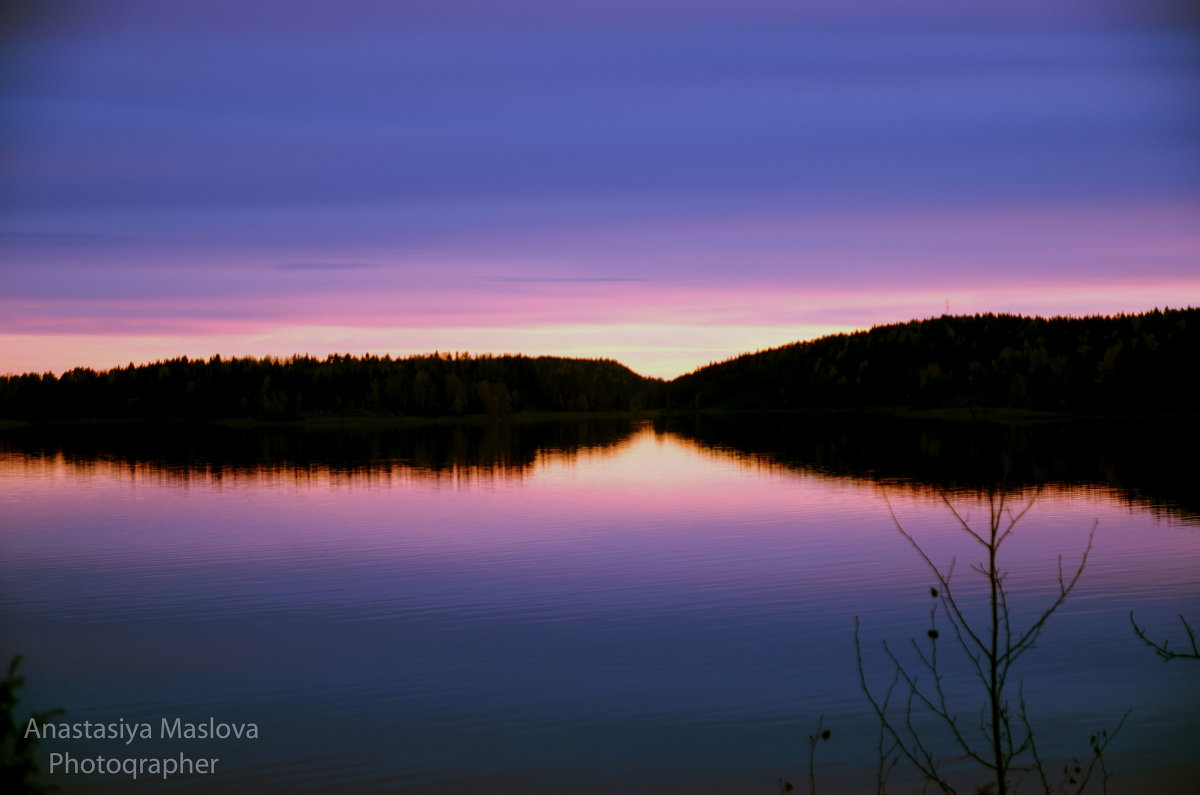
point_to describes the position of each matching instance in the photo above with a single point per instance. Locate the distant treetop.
(1106, 364)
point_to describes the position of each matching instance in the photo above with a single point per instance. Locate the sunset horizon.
(662, 186)
(452, 352)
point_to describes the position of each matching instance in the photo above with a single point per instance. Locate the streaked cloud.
(19, 240)
(326, 266)
(565, 279)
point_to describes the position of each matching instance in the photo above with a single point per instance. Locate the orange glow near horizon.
(668, 342)
(663, 300)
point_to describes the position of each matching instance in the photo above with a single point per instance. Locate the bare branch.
(992, 646)
(1161, 648)
(943, 581)
(1098, 742)
(917, 754)
(821, 735)
(961, 521)
(1026, 641)
(1038, 766)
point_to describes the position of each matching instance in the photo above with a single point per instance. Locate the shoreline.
(955, 415)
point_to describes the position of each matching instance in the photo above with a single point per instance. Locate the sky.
(660, 182)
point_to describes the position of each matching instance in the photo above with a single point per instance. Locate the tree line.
(1107, 364)
(1102, 364)
(284, 389)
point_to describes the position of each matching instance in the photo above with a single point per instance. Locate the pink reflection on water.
(654, 499)
(611, 585)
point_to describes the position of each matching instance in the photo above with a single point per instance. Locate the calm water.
(602, 608)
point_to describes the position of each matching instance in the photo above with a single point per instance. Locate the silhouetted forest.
(1121, 364)
(283, 389)
(1126, 363)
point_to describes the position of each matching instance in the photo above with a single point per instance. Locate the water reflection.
(181, 450)
(629, 607)
(1132, 461)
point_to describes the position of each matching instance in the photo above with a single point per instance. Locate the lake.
(599, 606)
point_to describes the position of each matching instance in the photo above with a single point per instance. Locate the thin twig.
(992, 649)
(1161, 648)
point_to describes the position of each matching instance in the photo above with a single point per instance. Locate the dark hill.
(1122, 364)
(1126, 363)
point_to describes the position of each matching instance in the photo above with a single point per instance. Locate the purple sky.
(664, 183)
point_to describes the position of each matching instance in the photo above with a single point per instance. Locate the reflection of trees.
(917, 704)
(465, 450)
(1131, 460)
